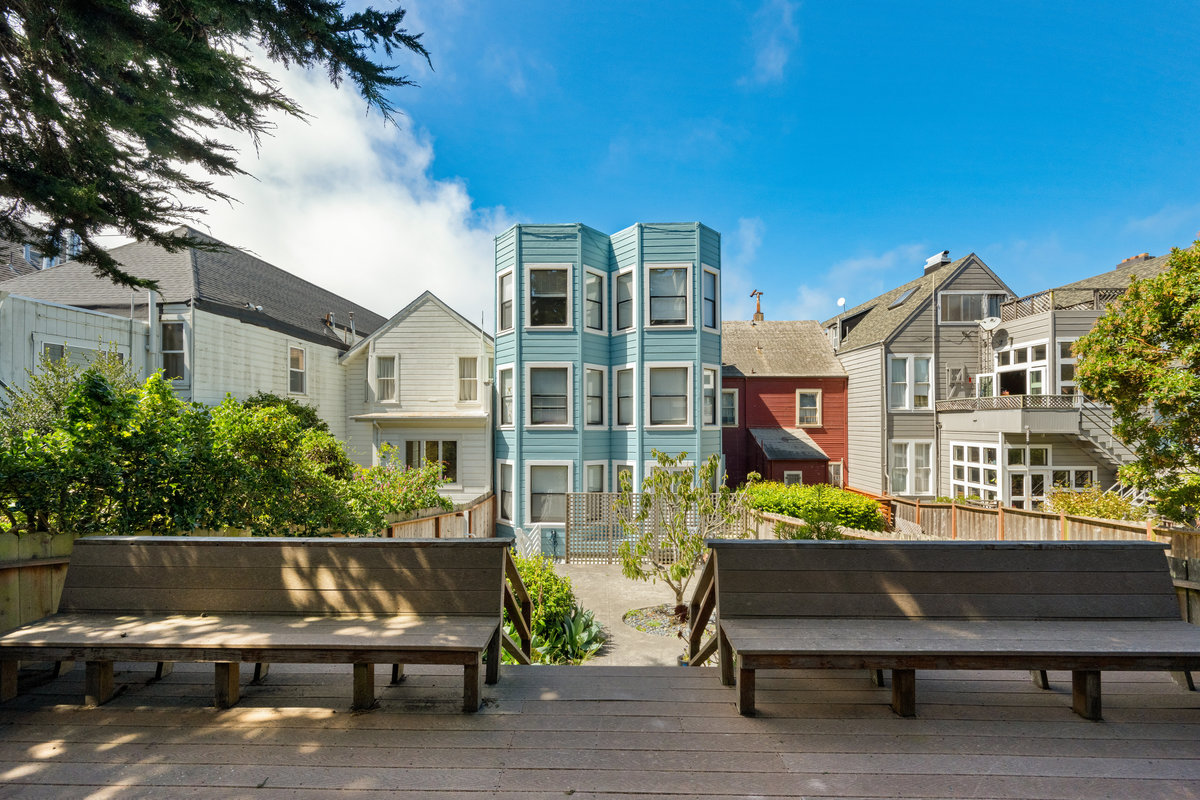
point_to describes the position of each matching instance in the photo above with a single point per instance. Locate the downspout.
(641, 412)
(935, 380)
(580, 400)
(519, 312)
(697, 314)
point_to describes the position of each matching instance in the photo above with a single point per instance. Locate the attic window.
(899, 301)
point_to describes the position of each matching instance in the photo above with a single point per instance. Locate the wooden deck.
(591, 732)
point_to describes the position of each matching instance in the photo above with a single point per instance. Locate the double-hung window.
(908, 383)
(296, 371)
(625, 406)
(808, 408)
(593, 396)
(670, 395)
(709, 399)
(443, 452)
(549, 395)
(911, 468)
(504, 292)
(549, 296)
(593, 301)
(710, 299)
(505, 388)
(729, 408)
(548, 485)
(506, 490)
(385, 379)
(623, 289)
(468, 379)
(668, 303)
(173, 352)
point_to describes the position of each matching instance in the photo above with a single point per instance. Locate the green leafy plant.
(816, 503)
(551, 594)
(1095, 502)
(577, 638)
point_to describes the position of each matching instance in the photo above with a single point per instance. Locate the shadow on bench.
(904, 606)
(284, 600)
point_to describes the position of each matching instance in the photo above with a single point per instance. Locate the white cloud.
(1170, 220)
(736, 280)
(775, 35)
(352, 204)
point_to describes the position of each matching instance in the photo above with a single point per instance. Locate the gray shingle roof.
(874, 321)
(229, 282)
(12, 261)
(1120, 277)
(777, 348)
(788, 444)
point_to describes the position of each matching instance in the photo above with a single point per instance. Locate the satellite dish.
(989, 323)
(841, 302)
(1000, 339)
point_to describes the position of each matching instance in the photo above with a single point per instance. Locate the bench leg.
(745, 690)
(8, 679)
(904, 692)
(63, 667)
(725, 657)
(226, 683)
(877, 678)
(473, 684)
(1040, 678)
(98, 683)
(260, 673)
(1184, 679)
(397, 673)
(364, 687)
(1085, 693)
(493, 658)
(163, 669)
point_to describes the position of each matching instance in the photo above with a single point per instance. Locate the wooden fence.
(475, 520)
(594, 531)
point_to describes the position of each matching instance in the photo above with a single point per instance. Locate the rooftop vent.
(933, 262)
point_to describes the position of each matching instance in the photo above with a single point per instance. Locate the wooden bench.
(283, 600)
(904, 606)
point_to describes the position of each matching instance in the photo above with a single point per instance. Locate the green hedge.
(817, 501)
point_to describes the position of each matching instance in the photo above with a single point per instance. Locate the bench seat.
(232, 601)
(1078, 606)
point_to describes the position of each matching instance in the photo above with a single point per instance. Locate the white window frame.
(511, 274)
(604, 300)
(527, 289)
(634, 317)
(985, 294)
(527, 491)
(716, 328)
(570, 367)
(736, 414)
(458, 364)
(965, 486)
(603, 466)
(909, 466)
(689, 296)
(501, 463)
(910, 381)
(441, 440)
(616, 474)
(715, 370)
(303, 372)
(395, 358)
(633, 399)
(787, 473)
(604, 404)
(1060, 362)
(979, 384)
(185, 379)
(820, 408)
(686, 466)
(841, 473)
(691, 397)
(516, 392)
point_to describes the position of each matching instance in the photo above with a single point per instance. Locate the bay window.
(549, 395)
(668, 295)
(669, 395)
(549, 297)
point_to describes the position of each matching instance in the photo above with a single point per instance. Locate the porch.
(588, 732)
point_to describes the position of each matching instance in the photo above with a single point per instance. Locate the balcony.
(1017, 413)
(1059, 300)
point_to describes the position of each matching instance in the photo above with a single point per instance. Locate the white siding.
(26, 325)
(232, 357)
(865, 411)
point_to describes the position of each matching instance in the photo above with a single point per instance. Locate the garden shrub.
(819, 501)
(1093, 502)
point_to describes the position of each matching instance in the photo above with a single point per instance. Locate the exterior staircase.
(1095, 430)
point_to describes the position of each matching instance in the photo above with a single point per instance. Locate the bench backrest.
(317, 576)
(944, 580)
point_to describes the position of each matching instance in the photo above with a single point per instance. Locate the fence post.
(1062, 521)
(437, 527)
(918, 509)
(953, 519)
(1000, 522)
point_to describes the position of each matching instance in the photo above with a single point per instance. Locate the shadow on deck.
(608, 732)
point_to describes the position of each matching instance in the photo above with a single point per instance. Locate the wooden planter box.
(32, 570)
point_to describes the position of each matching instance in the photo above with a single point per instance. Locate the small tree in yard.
(668, 526)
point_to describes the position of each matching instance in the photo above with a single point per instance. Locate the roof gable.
(425, 298)
(777, 348)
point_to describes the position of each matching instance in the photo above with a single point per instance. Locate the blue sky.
(834, 145)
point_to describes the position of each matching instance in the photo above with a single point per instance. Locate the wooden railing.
(1014, 402)
(1060, 300)
(972, 521)
(520, 613)
(474, 521)
(700, 611)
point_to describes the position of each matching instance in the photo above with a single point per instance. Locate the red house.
(783, 403)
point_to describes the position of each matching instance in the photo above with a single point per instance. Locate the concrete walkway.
(603, 589)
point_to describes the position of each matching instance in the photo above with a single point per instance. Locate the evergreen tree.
(108, 108)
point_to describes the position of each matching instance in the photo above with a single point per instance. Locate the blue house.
(607, 347)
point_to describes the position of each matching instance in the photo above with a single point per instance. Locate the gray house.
(1027, 429)
(904, 351)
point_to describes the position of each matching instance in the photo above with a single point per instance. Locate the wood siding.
(864, 416)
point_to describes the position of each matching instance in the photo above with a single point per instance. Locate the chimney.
(758, 315)
(1138, 257)
(934, 262)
